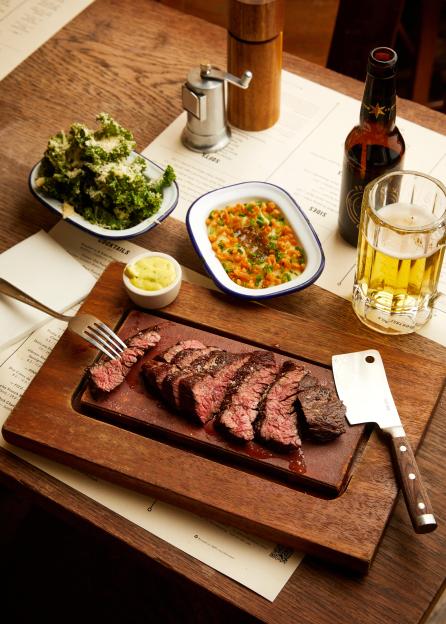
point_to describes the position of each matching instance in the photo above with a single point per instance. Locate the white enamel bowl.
(153, 299)
(153, 171)
(245, 192)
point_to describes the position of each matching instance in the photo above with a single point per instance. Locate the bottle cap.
(382, 62)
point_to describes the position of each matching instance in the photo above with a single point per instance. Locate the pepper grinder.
(204, 100)
(255, 41)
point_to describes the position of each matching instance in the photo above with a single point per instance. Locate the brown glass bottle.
(375, 146)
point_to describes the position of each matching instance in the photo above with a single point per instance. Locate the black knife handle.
(415, 494)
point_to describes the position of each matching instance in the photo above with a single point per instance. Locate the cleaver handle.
(415, 495)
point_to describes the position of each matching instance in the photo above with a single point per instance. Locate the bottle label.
(378, 111)
(379, 159)
(353, 201)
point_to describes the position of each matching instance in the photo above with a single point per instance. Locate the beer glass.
(402, 237)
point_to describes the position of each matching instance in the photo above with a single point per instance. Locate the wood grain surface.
(258, 106)
(414, 491)
(130, 59)
(255, 42)
(345, 530)
(255, 21)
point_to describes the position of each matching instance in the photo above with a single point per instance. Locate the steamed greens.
(94, 174)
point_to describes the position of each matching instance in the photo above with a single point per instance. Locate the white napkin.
(45, 271)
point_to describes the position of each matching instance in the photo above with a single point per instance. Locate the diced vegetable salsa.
(255, 244)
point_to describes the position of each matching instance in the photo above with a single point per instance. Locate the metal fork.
(85, 325)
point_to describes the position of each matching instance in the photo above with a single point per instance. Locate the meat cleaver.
(362, 385)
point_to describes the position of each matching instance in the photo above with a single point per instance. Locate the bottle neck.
(378, 108)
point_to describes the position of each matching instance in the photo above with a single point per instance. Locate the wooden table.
(130, 58)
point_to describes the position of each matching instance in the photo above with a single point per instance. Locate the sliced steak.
(108, 375)
(187, 362)
(241, 403)
(322, 413)
(169, 354)
(277, 422)
(308, 381)
(154, 373)
(186, 357)
(201, 394)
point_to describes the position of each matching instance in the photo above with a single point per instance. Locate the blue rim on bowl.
(244, 192)
(170, 200)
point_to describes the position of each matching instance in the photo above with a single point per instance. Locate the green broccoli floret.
(93, 172)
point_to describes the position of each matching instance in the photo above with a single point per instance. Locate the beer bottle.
(376, 145)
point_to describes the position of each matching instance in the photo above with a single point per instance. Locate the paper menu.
(41, 268)
(26, 24)
(249, 155)
(303, 154)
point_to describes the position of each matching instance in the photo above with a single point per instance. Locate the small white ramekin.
(153, 299)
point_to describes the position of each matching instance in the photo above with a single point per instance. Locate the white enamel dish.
(153, 171)
(245, 192)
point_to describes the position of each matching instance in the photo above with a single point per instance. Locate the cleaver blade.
(361, 383)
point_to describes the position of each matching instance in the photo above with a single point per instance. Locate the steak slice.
(277, 420)
(108, 375)
(308, 381)
(322, 413)
(187, 362)
(241, 403)
(201, 394)
(184, 358)
(154, 373)
(169, 354)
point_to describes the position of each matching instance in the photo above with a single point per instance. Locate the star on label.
(377, 110)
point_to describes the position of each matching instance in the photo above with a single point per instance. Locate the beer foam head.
(406, 216)
(409, 239)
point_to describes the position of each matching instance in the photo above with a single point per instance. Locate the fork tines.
(104, 339)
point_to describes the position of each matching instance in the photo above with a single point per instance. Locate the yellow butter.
(151, 273)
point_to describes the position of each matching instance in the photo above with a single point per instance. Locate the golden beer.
(400, 254)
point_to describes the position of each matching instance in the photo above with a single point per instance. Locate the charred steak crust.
(205, 361)
(108, 375)
(321, 412)
(201, 394)
(308, 380)
(186, 357)
(169, 354)
(240, 406)
(277, 422)
(154, 372)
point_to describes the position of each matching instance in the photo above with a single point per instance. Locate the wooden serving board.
(321, 466)
(345, 529)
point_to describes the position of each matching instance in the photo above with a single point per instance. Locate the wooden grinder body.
(255, 44)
